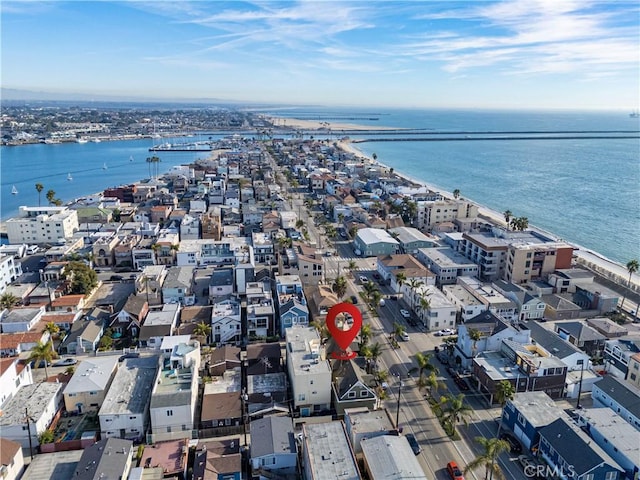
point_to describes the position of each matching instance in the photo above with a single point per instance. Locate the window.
(169, 413)
(609, 475)
(352, 394)
(521, 419)
(132, 418)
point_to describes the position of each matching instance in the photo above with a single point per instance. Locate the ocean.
(584, 190)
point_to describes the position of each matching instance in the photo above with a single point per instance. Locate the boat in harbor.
(14, 190)
(69, 177)
(104, 166)
(82, 140)
(635, 114)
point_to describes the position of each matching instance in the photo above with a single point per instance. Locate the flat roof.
(329, 451)
(537, 407)
(34, 398)
(53, 466)
(620, 433)
(129, 391)
(391, 456)
(92, 374)
(304, 351)
(446, 257)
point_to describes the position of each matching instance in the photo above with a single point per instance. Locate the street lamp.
(28, 418)
(398, 407)
(244, 399)
(581, 363)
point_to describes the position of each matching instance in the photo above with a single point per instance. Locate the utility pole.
(398, 409)
(581, 363)
(26, 414)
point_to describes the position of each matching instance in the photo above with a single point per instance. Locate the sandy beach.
(334, 127)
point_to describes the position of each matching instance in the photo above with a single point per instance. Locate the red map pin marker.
(344, 336)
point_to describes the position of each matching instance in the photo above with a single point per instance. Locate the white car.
(65, 362)
(405, 313)
(363, 279)
(445, 332)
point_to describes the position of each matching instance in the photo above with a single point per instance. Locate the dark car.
(376, 276)
(461, 383)
(393, 297)
(116, 278)
(354, 299)
(128, 355)
(413, 442)
(514, 444)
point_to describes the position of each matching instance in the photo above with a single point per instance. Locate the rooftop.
(129, 392)
(329, 451)
(53, 466)
(92, 374)
(304, 351)
(34, 398)
(390, 456)
(622, 392)
(446, 257)
(538, 407)
(614, 428)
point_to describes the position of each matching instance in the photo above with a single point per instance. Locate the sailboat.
(104, 166)
(14, 190)
(131, 158)
(69, 177)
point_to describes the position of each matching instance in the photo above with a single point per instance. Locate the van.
(32, 249)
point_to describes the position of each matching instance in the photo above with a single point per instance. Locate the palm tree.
(372, 353)
(456, 194)
(456, 411)
(352, 265)
(53, 329)
(42, 352)
(398, 330)
(474, 335)
(414, 284)
(322, 329)
(424, 304)
(202, 330)
(507, 217)
(632, 267)
(493, 447)
(401, 279)
(433, 383)
(424, 365)
(365, 334)
(504, 391)
(39, 188)
(339, 286)
(374, 156)
(8, 300)
(51, 196)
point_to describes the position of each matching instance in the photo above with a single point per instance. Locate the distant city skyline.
(555, 54)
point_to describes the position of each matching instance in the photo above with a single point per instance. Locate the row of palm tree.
(517, 223)
(50, 195)
(154, 165)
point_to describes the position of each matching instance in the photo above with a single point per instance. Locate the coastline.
(584, 256)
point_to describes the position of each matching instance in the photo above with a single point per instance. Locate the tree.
(424, 365)
(322, 329)
(50, 195)
(8, 300)
(414, 284)
(398, 330)
(632, 267)
(433, 383)
(42, 352)
(401, 279)
(474, 335)
(46, 437)
(492, 448)
(39, 188)
(299, 224)
(453, 410)
(352, 265)
(82, 277)
(456, 194)
(374, 156)
(507, 217)
(106, 342)
(372, 353)
(53, 329)
(365, 334)
(424, 305)
(202, 330)
(339, 286)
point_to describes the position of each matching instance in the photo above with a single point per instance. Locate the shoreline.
(589, 257)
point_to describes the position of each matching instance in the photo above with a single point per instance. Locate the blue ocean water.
(51, 165)
(586, 191)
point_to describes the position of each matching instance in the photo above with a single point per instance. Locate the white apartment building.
(447, 264)
(10, 270)
(432, 307)
(11, 380)
(491, 298)
(175, 392)
(42, 225)
(433, 212)
(226, 323)
(309, 370)
(125, 409)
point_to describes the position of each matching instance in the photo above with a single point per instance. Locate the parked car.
(514, 444)
(128, 355)
(65, 362)
(413, 441)
(354, 299)
(382, 303)
(461, 383)
(405, 313)
(376, 275)
(40, 364)
(404, 336)
(363, 279)
(454, 471)
(529, 465)
(445, 332)
(393, 297)
(116, 278)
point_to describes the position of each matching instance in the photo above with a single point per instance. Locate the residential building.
(530, 306)
(571, 451)
(190, 227)
(372, 242)
(105, 459)
(389, 266)
(53, 466)
(446, 264)
(492, 330)
(11, 459)
(273, 446)
(170, 457)
(89, 384)
(303, 261)
(221, 359)
(491, 298)
(226, 321)
(582, 336)
(614, 435)
(218, 460)
(619, 396)
(177, 286)
(633, 371)
(618, 353)
(83, 337)
(159, 324)
(352, 387)
(222, 404)
(221, 284)
(309, 370)
(390, 456)
(362, 423)
(327, 453)
(143, 255)
(123, 251)
(103, 249)
(10, 271)
(128, 321)
(40, 402)
(13, 375)
(412, 239)
(526, 413)
(175, 393)
(263, 248)
(434, 210)
(42, 225)
(125, 409)
(432, 307)
(526, 367)
(260, 310)
(21, 319)
(468, 305)
(571, 356)
(566, 280)
(291, 303)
